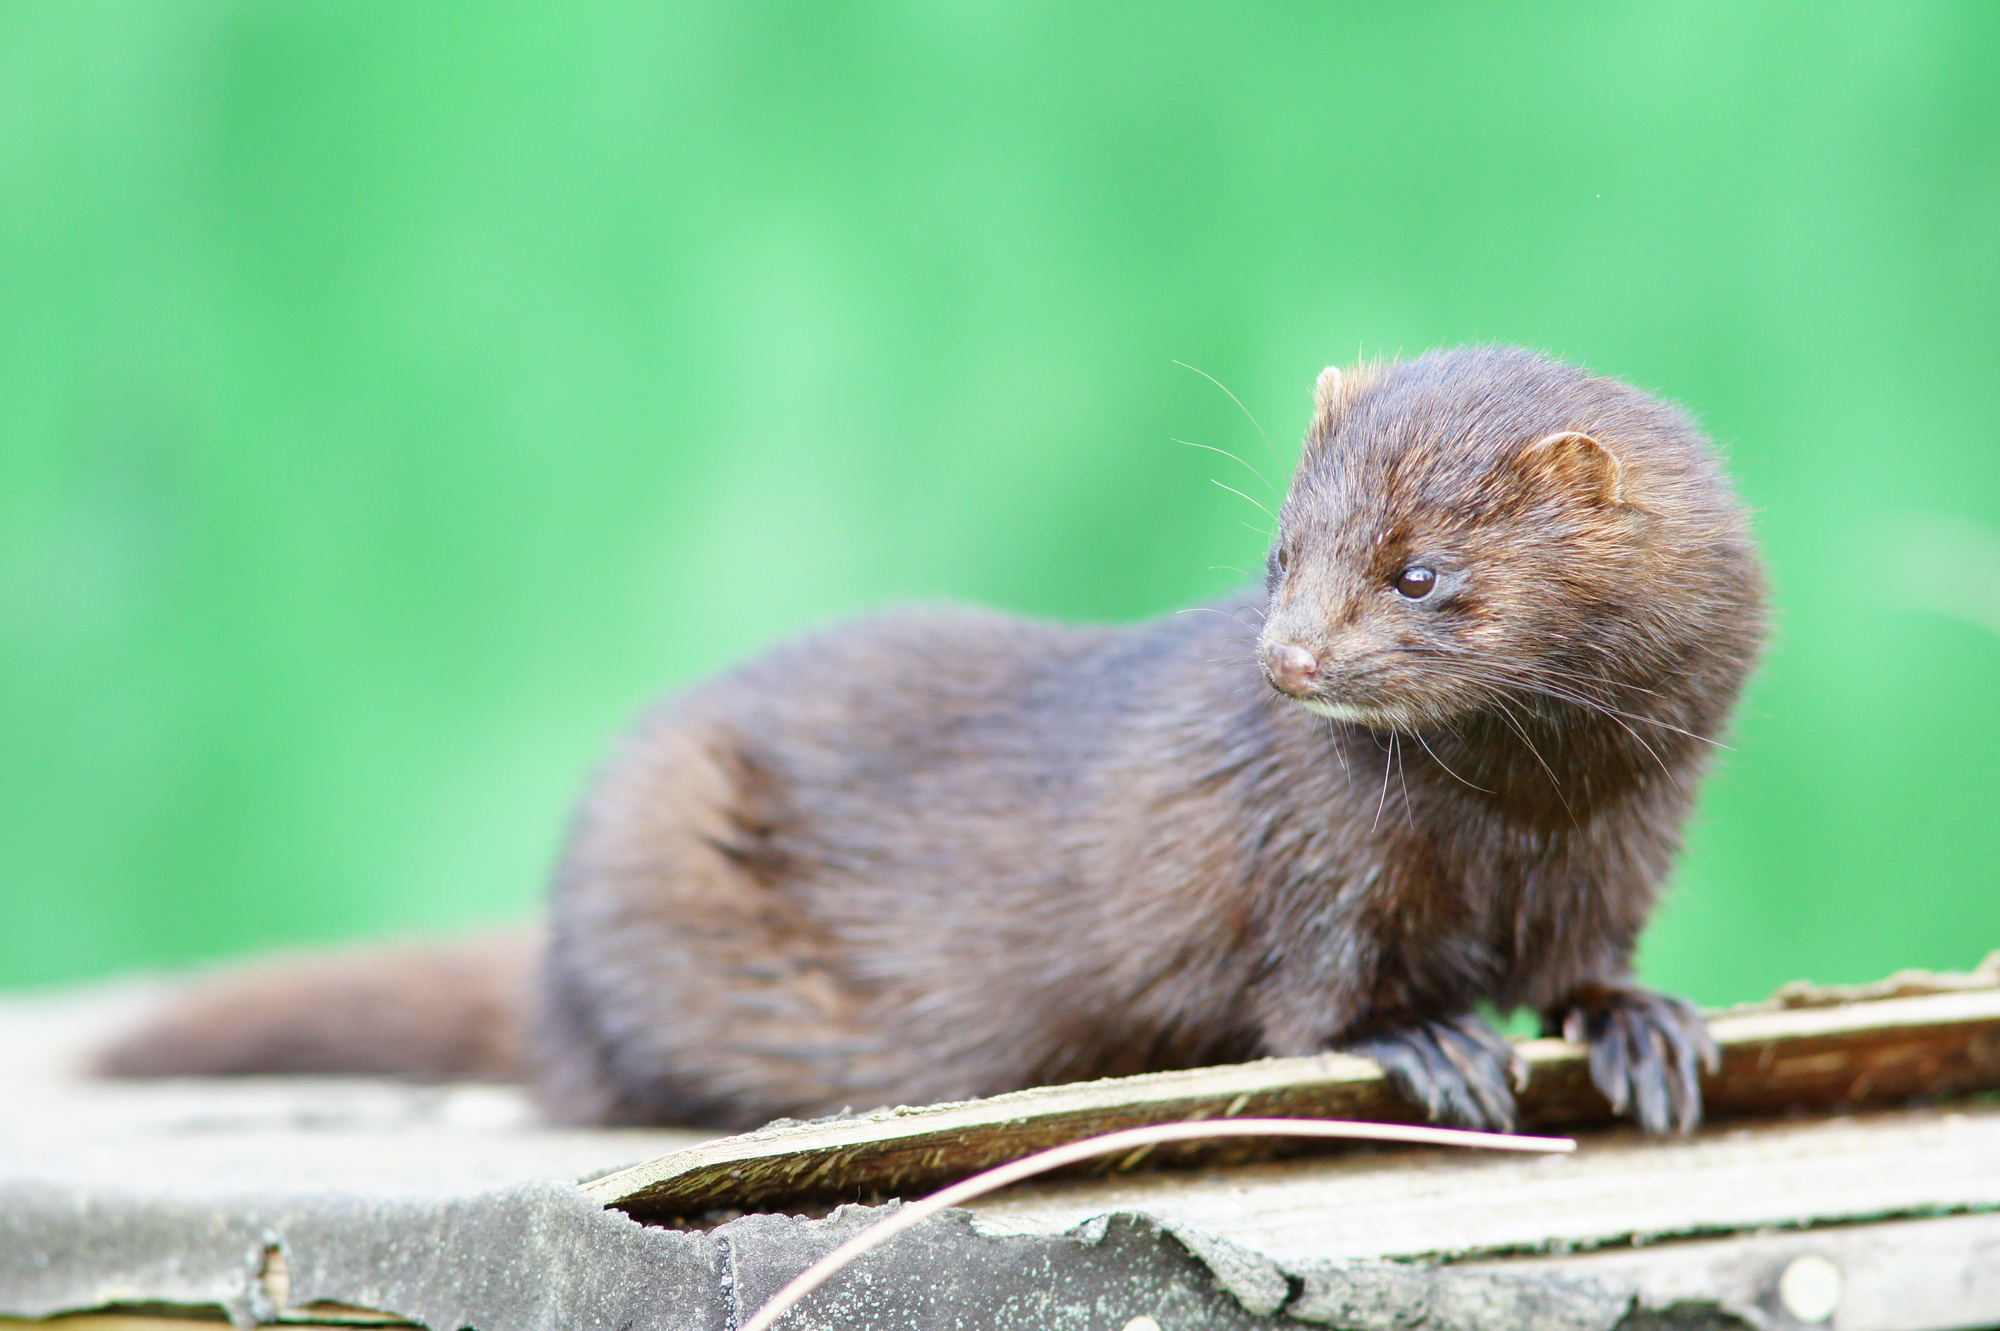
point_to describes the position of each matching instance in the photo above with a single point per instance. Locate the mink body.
(945, 853)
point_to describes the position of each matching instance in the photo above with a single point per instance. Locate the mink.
(1442, 758)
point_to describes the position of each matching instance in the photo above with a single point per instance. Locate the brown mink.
(1443, 758)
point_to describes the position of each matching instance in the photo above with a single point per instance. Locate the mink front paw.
(1647, 1052)
(1459, 1070)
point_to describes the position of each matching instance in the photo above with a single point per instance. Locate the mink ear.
(1573, 461)
(1326, 390)
(1331, 394)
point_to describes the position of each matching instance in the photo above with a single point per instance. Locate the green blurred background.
(395, 395)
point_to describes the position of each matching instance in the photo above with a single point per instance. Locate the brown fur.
(431, 1011)
(946, 853)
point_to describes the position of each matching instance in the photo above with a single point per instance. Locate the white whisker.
(1441, 763)
(1239, 406)
(1233, 458)
(1239, 494)
(1388, 758)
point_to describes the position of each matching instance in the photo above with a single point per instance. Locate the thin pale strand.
(1111, 1143)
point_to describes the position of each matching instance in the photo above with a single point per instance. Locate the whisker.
(1441, 763)
(1610, 711)
(1233, 490)
(1513, 722)
(1551, 674)
(1233, 458)
(1239, 406)
(1637, 738)
(1576, 677)
(1332, 729)
(1402, 779)
(1388, 757)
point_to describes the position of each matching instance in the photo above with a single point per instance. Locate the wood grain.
(1405, 1203)
(1773, 1061)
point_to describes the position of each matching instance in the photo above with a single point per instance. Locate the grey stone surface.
(1378, 1296)
(1103, 1276)
(442, 1204)
(448, 1206)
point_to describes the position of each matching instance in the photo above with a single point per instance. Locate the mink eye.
(1416, 582)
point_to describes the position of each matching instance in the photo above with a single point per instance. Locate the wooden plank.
(1620, 1186)
(1906, 1275)
(1774, 1058)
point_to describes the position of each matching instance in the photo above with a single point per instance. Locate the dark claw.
(1649, 1072)
(1456, 1070)
(1647, 1052)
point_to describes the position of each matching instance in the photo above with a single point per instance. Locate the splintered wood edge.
(1156, 1097)
(932, 1144)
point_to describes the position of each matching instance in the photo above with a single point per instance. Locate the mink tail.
(443, 1011)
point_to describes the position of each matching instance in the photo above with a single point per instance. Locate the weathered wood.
(1619, 1186)
(1774, 1059)
(906, 1150)
(1850, 1055)
(1905, 1275)
(1694, 1233)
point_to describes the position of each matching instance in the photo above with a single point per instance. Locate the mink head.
(1485, 528)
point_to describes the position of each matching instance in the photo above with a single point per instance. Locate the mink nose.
(1292, 667)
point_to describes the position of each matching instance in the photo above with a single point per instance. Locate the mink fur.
(944, 853)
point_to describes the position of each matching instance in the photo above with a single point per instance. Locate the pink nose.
(1292, 667)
